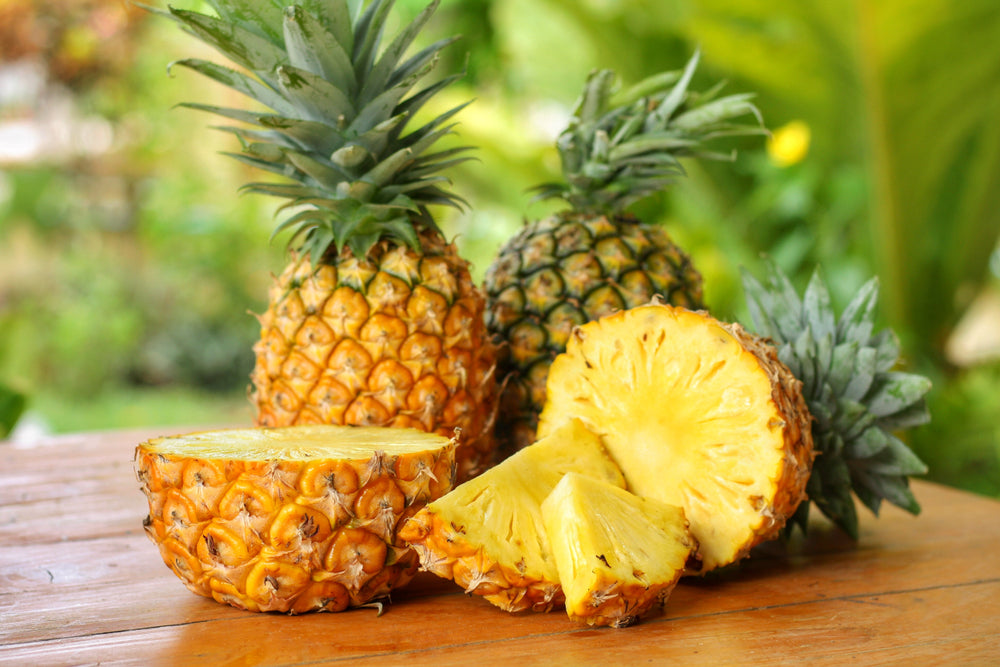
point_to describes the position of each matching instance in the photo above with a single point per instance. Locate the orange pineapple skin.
(291, 536)
(395, 339)
(444, 551)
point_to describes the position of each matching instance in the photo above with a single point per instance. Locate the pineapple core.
(696, 413)
(618, 555)
(488, 535)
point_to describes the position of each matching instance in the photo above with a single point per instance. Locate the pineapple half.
(293, 519)
(595, 257)
(488, 534)
(376, 319)
(618, 555)
(696, 413)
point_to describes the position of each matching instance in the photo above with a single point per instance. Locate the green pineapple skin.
(561, 272)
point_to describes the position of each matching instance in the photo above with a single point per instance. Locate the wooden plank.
(941, 625)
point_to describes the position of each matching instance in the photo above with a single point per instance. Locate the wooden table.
(81, 584)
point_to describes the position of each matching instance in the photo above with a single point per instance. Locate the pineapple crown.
(338, 106)
(857, 400)
(621, 146)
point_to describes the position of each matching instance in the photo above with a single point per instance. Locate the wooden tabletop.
(80, 583)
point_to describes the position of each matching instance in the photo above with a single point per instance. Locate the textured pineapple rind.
(395, 339)
(786, 393)
(786, 398)
(290, 536)
(561, 272)
(433, 538)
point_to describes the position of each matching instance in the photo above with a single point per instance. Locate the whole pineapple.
(595, 258)
(376, 320)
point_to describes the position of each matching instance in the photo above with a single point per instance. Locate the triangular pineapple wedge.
(618, 555)
(291, 519)
(487, 534)
(696, 413)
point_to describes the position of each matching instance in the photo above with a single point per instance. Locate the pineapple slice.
(488, 535)
(291, 519)
(618, 555)
(696, 413)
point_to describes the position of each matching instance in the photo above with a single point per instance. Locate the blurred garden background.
(130, 266)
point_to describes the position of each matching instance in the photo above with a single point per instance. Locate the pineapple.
(696, 413)
(375, 320)
(292, 519)
(858, 398)
(595, 258)
(488, 534)
(618, 555)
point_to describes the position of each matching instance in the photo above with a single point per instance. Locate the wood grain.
(81, 583)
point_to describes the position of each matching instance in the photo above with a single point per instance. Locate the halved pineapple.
(618, 555)
(696, 413)
(488, 536)
(291, 519)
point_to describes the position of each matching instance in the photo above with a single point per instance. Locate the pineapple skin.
(559, 273)
(506, 557)
(395, 339)
(783, 488)
(291, 536)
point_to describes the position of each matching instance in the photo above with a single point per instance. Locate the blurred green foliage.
(134, 269)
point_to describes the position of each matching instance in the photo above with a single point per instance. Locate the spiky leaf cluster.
(622, 146)
(856, 396)
(337, 106)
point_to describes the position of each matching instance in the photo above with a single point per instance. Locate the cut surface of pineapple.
(488, 535)
(618, 555)
(291, 519)
(696, 413)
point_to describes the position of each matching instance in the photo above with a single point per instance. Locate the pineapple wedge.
(618, 555)
(488, 535)
(696, 413)
(291, 519)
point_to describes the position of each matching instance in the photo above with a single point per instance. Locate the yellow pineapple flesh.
(488, 536)
(696, 413)
(618, 555)
(292, 519)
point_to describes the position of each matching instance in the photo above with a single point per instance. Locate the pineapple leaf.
(239, 82)
(817, 309)
(257, 17)
(312, 48)
(676, 97)
(319, 99)
(240, 45)
(381, 75)
(369, 29)
(305, 133)
(893, 392)
(855, 397)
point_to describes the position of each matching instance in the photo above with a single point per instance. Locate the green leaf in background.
(898, 87)
(12, 406)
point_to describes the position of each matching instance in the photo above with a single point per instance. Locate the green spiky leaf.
(622, 146)
(337, 108)
(856, 397)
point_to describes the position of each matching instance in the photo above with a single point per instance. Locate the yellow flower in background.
(789, 144)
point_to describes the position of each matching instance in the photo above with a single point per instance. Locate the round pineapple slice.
(696, 413)
(291, 519)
